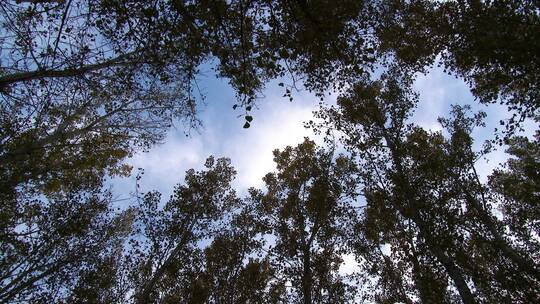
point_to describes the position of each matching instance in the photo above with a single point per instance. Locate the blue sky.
(278, 123)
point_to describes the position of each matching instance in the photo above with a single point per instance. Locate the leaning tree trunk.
(446, 261)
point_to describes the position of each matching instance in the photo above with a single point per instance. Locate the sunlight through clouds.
(281, 126)
(277, 124)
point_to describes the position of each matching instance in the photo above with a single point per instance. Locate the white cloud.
(164, 166)
(277, 125)
(166, 163)
(438, 91)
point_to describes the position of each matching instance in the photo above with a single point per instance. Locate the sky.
(278, 123)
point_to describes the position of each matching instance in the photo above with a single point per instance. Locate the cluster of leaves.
(493, 45)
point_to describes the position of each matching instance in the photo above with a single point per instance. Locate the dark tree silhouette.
(86, 84)
(425, 199)
(306, 208)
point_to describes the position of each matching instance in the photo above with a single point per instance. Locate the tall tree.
(234, 269)
(306, 210)
(423, 191)
(48, 248)
(516, 190)
(166, 256)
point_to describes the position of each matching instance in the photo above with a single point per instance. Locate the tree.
(166, 259)
(306, 209)
(425, 200)
(232, 273)
(516, 189)
(372, 117)
(202, 246)
(47, 249)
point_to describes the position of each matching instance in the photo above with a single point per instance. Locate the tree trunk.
(307, 276)
(68, 72)
(449, 265)
(500, 243)
(143, 296)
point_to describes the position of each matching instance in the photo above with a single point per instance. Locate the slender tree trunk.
(68, 72)
(500, 243)
(402, 182)
(143, 296)
(454, 272)
(307, 280)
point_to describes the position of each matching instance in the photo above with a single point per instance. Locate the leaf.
(249, 118)
(246, 125)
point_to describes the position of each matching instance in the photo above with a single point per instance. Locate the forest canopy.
(87, 84)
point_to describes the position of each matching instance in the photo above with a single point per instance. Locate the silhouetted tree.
(424, 199)
(306, 209)
(50, 250)
(515, 188)
(166, 258)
